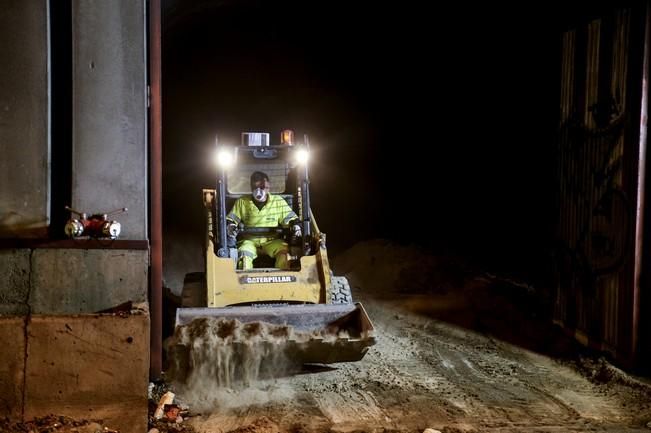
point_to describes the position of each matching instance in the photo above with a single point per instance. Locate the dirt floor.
(457, 351)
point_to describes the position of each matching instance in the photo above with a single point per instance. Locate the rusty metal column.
(156, 208)
(641, 186)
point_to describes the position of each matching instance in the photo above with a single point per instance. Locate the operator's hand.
(296, 233)
(231, 230)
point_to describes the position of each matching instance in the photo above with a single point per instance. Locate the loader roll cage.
(288, 179)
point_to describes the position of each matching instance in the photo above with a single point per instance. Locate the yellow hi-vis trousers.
(248, 251)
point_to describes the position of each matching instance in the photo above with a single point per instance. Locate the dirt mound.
(450, 289)
(383, 266)
(601, 371)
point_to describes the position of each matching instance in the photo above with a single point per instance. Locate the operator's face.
(262, 184)
(260, 190)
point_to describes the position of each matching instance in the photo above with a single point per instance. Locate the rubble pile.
(167, 416)
(165, 426)
(54, 424)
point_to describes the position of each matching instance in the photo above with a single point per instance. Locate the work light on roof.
(302, 155)
(224, 157)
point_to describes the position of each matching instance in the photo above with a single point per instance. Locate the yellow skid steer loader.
(326, 325)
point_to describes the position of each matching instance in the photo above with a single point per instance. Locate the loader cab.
(278, 169)
(288, 177)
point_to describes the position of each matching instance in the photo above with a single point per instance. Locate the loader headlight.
(302, 155)
(224, 157)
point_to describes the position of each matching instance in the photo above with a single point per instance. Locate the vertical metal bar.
(222, 250)
(641, 183)
(307, 230)
(155, 200)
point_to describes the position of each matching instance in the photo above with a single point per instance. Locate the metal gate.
(599, 181)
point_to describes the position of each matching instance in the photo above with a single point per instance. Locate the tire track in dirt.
(489, 380)
(488, 383)
(390, 387)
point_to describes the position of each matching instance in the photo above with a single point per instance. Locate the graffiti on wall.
(595, 218)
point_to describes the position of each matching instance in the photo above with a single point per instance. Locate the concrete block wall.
(12, 365)
(80, 281)
(15, 269)
(82, 366)
(71, 281)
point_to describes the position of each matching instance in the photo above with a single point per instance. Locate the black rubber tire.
(194, 290)
(340, 292)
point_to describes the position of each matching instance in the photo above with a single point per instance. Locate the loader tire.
(340, 293)
(194, 290)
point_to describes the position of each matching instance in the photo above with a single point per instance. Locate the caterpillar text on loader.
(306, 297)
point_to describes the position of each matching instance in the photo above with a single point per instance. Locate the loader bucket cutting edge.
(339, 332)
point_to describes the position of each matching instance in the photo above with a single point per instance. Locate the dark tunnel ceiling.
(552, 14)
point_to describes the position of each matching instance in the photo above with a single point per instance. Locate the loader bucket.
(322, 333)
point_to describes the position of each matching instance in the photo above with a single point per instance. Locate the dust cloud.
(218, 362)
(228, 352)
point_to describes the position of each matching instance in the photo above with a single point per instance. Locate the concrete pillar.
(24, 112)
(109, 167)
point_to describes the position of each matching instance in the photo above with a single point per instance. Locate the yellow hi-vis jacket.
(275, 212)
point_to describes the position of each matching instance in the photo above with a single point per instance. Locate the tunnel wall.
(24, 111)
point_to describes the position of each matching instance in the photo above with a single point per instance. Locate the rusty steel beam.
(156, 207)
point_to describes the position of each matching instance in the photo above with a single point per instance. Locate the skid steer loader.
(307, 297)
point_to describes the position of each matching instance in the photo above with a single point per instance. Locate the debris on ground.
(54, 424)
(164, 426)
(165, 400)
(125, 309)
(172, 413)
(157, 389)
(166, 415)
